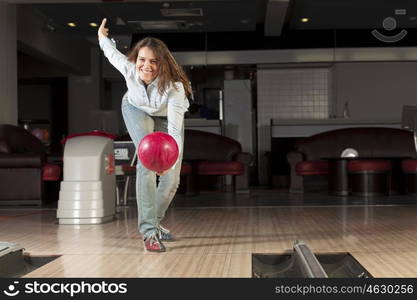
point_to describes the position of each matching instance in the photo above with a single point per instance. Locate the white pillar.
(8, 64)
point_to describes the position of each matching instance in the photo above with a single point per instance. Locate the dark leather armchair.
(23, 167)
(213, 154)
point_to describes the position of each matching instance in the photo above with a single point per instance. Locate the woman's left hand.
(162, 173)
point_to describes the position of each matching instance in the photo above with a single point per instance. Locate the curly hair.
(169, 70)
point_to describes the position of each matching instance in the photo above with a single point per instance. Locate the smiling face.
(147, 65)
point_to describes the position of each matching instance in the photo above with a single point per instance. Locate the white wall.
(238, 115)
(375, 90)
(295, 92)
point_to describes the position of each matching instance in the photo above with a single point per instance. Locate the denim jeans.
(152, 200)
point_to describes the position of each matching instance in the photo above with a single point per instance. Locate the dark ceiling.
(241, 24)
(138, 17)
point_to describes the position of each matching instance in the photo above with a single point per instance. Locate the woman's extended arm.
(117, 59)
(175, 114)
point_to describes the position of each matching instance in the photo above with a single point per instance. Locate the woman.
(156, 100)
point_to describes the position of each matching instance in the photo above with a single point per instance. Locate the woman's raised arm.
(116, 58)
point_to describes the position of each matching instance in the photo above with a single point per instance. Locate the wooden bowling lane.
(218, 242)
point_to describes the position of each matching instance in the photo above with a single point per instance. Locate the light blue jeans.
(152, 200)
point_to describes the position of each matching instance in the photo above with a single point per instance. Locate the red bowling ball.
(158, 151)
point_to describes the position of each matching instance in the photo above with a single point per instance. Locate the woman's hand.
(103, 31)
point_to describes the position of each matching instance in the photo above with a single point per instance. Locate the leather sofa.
(409, 167)
(308, 157)
(212, 154)
(24, 170)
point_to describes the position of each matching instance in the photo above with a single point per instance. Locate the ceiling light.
(305, 20)
(71, 24)
(92, 24)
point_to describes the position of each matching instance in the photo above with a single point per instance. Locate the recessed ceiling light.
(92, 24)
(305, 20)
(71, 24)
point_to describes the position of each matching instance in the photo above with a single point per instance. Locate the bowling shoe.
(154, 244)
(164, 234)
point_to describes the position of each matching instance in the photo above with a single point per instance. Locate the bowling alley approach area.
(228, 235)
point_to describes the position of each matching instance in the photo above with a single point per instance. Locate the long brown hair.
(169, 70)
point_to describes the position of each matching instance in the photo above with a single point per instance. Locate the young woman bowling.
(156, 100)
